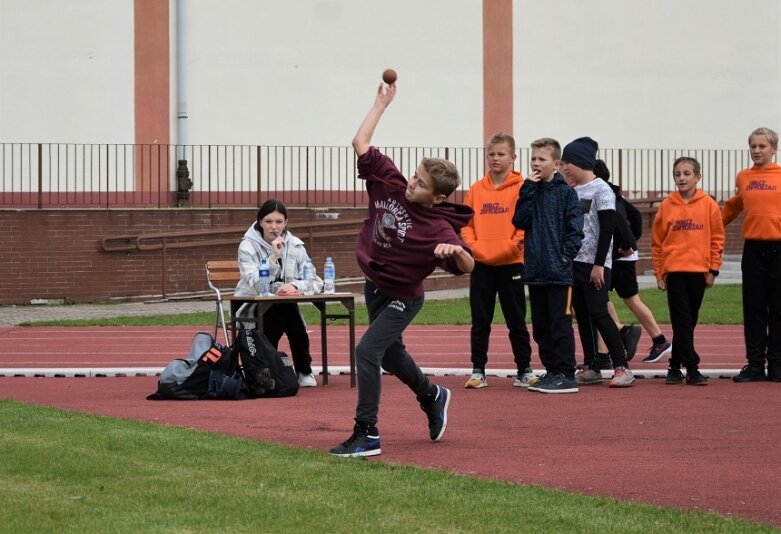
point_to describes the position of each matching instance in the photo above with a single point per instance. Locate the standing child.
(686, 247)
(623, 277)
(411, 230)
(758, 194)
(591, 268)
(497, 247)
(549, 213)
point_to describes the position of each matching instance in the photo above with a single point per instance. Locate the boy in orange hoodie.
(686, 248)
(758, 194)
(497, 247)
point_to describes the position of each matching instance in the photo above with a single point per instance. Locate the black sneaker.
(364, 441)
(558, 383)
(630, 335)
(774, 372)
(658, 351)
(674, 377)
(603, 363)
(695, 378)
(544, 379)
(436, 411)
(750, 373)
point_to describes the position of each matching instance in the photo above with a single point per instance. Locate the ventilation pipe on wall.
(184, 184)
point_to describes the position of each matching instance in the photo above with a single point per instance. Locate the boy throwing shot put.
(411, 230)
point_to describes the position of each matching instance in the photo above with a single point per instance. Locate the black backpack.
(267, 372)
(188, 378)
(250, 368)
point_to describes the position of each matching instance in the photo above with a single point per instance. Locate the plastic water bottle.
(309, 277)
(329, 275)
(265, 279)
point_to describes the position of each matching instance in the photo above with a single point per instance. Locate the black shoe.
(603, 363)
(658, 351)
(750, 373)
(774, 372)
(542, 381)
(558, 384)
(695, 378)
(436, 411)
(630, 335)
(674, 377)
(364, 441)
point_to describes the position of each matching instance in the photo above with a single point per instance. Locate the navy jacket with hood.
(550, 215)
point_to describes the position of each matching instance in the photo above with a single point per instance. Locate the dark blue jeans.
(382, 347)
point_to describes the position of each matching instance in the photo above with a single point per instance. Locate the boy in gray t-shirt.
(594, 196)
(591, 268)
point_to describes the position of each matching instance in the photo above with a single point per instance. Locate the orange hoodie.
(491, 234)
(687, 237)
(758, 192)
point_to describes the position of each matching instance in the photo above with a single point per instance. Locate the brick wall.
(57, 254)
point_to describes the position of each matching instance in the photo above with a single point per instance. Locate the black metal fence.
(59, 175)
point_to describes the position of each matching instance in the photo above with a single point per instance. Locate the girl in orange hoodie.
(686, 248)
(758, 194)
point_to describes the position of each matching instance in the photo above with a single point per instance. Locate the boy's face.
(761, 150)
(573, 173)
(543, 163)
(500, 158)
(685, 178)
(420, 189)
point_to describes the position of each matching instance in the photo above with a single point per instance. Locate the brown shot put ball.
(389, 76)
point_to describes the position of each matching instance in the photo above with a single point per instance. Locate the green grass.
(722, 305)
(70, 472)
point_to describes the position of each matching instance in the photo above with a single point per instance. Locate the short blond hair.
(502, 137)
(772, 137)
(548, 142)
(444, 175)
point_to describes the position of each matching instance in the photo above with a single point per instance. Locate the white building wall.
(631, 73)
(304, 73)
(66, 71)
(647, 74)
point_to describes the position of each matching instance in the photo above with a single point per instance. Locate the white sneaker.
(525, 379)
(306, 381)
(476, 381)
(622, 378)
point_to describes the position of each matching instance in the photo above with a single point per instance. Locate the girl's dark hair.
(269, 206)
(601, 170)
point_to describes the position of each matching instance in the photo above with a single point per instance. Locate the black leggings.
(591, 313)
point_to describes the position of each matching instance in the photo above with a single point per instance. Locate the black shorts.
(624, 279)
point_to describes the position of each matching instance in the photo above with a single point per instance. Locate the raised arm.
(363, 136)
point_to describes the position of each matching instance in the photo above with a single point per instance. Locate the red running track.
(432, 346)
(706, 448)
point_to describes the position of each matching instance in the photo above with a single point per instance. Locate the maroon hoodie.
(395, 248)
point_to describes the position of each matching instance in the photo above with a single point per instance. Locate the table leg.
(323, 339)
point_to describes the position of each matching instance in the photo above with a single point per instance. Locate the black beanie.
(581, 152)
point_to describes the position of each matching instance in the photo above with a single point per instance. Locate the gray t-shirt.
(594, 196)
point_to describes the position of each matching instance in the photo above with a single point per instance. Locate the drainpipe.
(184, 184)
